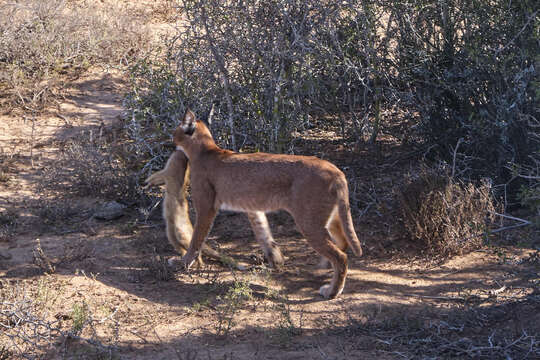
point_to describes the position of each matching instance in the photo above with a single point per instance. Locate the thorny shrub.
(432, 72)
(29, 330)
(529, 192)
(446, 215)
(490, 331)
(88, 166)
(94, 167)
(43, 40)
(473, 69)
(8, 224)
(58, 211)
(294, 62)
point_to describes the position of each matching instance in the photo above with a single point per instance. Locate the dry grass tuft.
(447, 216)
(94, 168)
(32, 330)
(7, 167)
(42, 260)
(159, 269)
(8, 224)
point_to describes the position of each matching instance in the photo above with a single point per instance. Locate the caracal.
(312, 190)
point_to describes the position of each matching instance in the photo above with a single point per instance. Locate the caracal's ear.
(188, 123)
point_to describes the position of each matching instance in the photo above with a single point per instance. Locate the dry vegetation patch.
(37, 321)
(90, 166)
(448, 216)
(44, 43)
(8, 224)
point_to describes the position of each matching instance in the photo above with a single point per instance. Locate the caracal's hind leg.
(335, 228)
(320, 240)
(263, 235)
(312, 223)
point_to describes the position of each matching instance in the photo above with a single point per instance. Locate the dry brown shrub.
(8, 224)
(45, 42)
(158, 268)
(90, 166)
(32, 327)
(447, 216)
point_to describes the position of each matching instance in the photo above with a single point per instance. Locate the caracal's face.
(180, 137)
(184, 131)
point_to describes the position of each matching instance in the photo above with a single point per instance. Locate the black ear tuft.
(189, 122)
(189, 117)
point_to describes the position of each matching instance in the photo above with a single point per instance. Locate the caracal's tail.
(344, 210)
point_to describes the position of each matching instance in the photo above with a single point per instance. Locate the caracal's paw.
(177, 263)
(188, 260)
(326, 292)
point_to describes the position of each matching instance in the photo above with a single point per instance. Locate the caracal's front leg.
(202, 227)
(203, 200)
(261, 230)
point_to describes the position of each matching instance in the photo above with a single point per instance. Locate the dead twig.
(445, 298)
(455, 155)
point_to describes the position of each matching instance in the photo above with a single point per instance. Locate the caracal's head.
(191, 134)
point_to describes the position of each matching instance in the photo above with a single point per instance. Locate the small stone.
(110, 211)
(5, 255)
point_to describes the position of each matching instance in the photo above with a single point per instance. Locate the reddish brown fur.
(312, 190)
